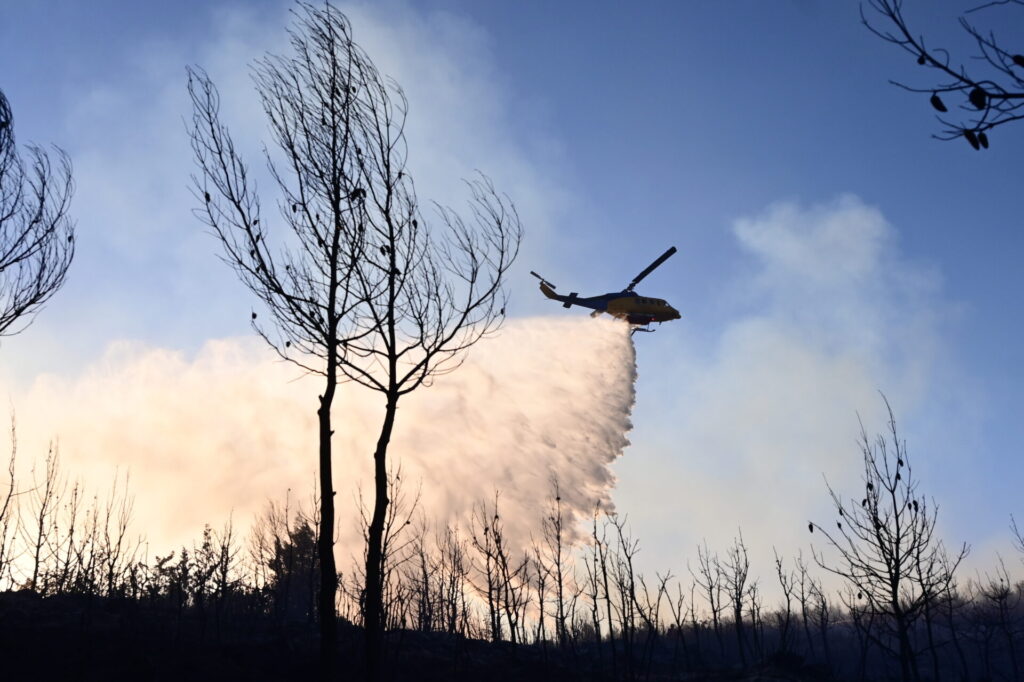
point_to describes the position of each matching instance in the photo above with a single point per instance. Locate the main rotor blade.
(650, 268)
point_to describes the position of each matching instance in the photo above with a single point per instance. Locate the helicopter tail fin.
(548, 291)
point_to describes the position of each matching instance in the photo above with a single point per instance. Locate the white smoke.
(219, 433)
(741, 430)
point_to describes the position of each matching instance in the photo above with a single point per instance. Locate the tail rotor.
(542, 280)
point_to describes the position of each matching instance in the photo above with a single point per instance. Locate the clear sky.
(829, 248)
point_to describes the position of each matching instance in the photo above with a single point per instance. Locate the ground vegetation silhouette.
(465, 603)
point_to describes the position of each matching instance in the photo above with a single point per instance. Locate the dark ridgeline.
(37, 237)
(366, 292)
(84, 600)
(990, 86)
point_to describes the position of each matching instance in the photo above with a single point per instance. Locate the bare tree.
(710, 580)
(862, 619)
(951, 604)
(37, 238)
(303, 287)
(485, 543)
(804, 592)
(397, 546)
(735, 570)
(46, 497)
(601, 583)
(366, 292)
(823, 616)
(436, 580)
(421, 300)
(1003, 598)
(648, 607)
(757, 627)
(506, 579)
(625, 581)
(9, 511)
(991, 92)
(553, 561)
(886, 544)
(679, 610)
(783, 617)
(1018, 535)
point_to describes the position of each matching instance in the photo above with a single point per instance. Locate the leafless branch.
(37, 236)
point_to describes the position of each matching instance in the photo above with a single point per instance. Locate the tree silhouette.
(293, 569)
(735, 569)
(309, 103)
(991, 93)
(888, 552)
(366, 292)
(37, 238)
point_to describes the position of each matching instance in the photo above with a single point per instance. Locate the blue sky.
(618, 133)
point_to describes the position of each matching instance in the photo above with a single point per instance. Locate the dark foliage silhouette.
(461, 605)
(987, 93)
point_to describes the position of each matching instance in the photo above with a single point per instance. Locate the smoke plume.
(220, 433)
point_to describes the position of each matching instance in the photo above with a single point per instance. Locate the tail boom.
(549, 292)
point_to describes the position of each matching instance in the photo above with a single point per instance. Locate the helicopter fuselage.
(637, 310)
(625, 305)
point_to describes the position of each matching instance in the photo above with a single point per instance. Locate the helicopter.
(639, 311)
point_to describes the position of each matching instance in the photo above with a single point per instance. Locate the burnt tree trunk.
(325, 542)
(373, 620)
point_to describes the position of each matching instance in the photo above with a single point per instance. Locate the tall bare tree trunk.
(372, 616)
(908, 662)
(325, 543)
